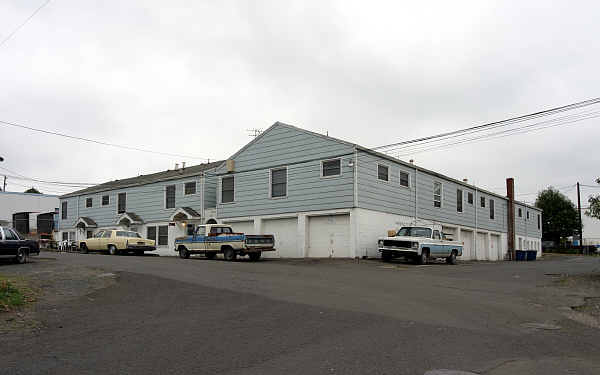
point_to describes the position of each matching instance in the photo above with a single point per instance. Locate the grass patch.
(13, 294)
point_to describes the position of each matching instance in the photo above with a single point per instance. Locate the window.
(190, 229)
(227, 189)
(89, 234)
(107, 234)
(88, 202)
(201, 231)
(65, 236)
(437, 194)
(483, 202)
(63, 213)
(278, 183)
(520, 212)
(436, 235)
(163, 235)
(414, 232)
(190, 188)
(121, 233)
(10, 235)
(404, 179)
(219, 230)
(538, 221)
(99, 234)
(492, 209)
(470, 198)
(382, 172)
(151, 233)
(527, 215)
(122, 203)
(105, 200)
(459, 200)
(170, 196)
(331, 168)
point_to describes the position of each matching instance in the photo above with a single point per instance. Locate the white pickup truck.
(211, 239)
(420, 243)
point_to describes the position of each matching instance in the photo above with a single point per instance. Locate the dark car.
(15, 246)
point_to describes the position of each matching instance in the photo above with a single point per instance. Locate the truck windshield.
(414, 232)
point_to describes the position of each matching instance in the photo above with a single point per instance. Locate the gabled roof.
(131, 216)
(146, 179)
(87, 222)
(190, 212)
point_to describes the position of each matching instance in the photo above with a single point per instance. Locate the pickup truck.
(211, 239)
(420, 243)
(16, 247)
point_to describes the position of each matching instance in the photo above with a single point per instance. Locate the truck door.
(212, 242)
(438, 247)
(199, 240)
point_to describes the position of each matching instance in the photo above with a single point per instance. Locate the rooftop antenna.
(255, 132)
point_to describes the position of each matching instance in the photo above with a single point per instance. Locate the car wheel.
(229, 254)
(452, 258)
(386, 256)
(21, 257)
(183, 253)
(112, 250)
(254, 256)
(210, 254)
(84, 249)
(422, 259)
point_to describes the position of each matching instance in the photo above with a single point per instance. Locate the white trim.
(389, 174)
(271, 182)
(441, 193)
(333, 175)
(220, 189)
(400, 179)
(131, 221)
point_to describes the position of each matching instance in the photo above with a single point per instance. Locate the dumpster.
(521, 255)
(531, 254)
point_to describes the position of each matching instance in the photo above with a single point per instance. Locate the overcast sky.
(190, 78)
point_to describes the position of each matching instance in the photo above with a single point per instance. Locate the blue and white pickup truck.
(211, 239)
(420, 243)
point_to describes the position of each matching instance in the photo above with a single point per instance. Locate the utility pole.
(580, 223)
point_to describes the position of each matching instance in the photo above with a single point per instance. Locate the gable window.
(122, 203)
(459, 200)
(151, 233)
(227, 189)
(483, 202)
(382, 172)
(470, 198)
(105, 200)
(63, 213)
(492, 209)
(538, 221)
(170, 196)
(163, 235)
(88, 202)
(278, 183)
(520, 212)
(190, 188)
(437, 194)
(404, 179)
(331, 168)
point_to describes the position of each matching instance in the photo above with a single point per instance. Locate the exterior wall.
(210, 190)
(12, 202)
(527, 227)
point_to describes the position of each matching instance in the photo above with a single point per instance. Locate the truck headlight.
(380, 243)
(415, 245)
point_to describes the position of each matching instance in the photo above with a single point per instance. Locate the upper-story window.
(190, 188)
(404, 179)
(88, 202)
(278, 182)
(539, 221)
(469, 197)
(520, 212)
(170, 196)
(483, 202)
(492, 213)
(227, 189)
(330, 168)
(437, 194)
(383, 172)
(122, 203)
(527, 215)
(459, 200)
(105, 200)
(63, 213)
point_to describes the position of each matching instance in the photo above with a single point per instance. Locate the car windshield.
(414, 232)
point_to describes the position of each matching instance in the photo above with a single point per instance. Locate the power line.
(8, 123)
(23, 24)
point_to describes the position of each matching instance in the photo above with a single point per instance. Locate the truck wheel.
(210, 254)
(422, 259)
(254, 256)
(84, 249)
(386, 256)
(112, 250)
(183, 253)
(452, 258)
(21, 257)
(229, 254)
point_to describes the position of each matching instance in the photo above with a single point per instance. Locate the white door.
(495, 249)
(466, 236)
(246, 227)
(482, 250)
(329, 236)
(286, 237)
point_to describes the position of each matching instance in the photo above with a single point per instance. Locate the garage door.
(482, 251)
(246, 227)
(329, 236)
(286, 237)
(466, 236)
(495, 249)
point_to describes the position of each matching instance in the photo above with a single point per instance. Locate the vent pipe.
(176, 166)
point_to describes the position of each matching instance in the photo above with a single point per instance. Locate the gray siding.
(210, 190)
(524, 227)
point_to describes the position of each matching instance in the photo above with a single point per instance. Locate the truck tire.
(210, 254)
(422, 259)
(254, 256)
(229, 254)
(84, 249)
(112, 250)
(184, 253)
(452, 258)
(21, 257)
(386, 256)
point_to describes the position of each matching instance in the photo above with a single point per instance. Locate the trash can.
(531, 254)
(521, 255)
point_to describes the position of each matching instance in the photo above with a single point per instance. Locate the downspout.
(76, 231)
(202, 178)
(416, 196)
(477, 204)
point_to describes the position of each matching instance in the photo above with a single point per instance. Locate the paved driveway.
(175, 316)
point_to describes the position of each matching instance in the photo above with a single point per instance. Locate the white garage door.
(329, 236)
(482, 250)
(246, 227)
(286, 237)
(495, 249)
(466, 236)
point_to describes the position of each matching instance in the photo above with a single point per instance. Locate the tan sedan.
(117, 241)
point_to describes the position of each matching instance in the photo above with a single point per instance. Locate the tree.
(33, 191)
(560, 217)
(594, 201)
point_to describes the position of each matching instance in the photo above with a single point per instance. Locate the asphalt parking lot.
(140, 315)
